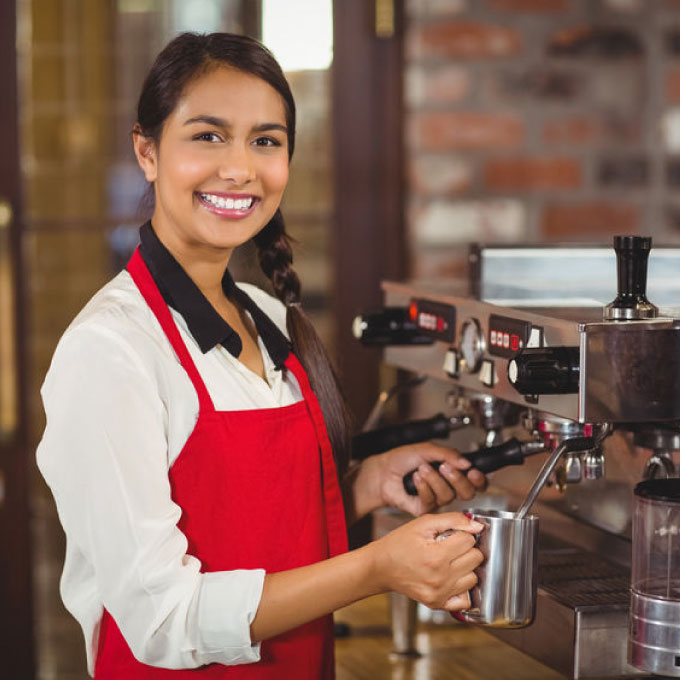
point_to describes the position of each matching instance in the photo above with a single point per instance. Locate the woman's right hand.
(416, 560)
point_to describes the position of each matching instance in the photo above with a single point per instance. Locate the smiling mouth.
(223, 203)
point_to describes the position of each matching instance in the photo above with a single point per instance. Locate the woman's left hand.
(454, 479)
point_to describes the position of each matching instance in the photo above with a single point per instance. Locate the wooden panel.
(369, 224)
(16, 610)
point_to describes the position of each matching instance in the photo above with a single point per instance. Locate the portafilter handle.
(488, 459)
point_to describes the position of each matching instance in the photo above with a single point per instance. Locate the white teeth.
(228, 203)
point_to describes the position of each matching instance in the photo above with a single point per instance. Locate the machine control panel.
(434, 319)
(507, 336)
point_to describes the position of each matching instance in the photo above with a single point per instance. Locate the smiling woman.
(220, 168)
(196, 440)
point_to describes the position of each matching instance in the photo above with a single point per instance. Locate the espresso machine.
(576, 396)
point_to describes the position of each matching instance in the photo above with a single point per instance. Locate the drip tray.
(581, 625)
(577, 579)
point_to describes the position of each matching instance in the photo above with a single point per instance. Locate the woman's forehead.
(227, 93)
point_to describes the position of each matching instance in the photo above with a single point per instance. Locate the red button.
(514, 342)
(413, 311)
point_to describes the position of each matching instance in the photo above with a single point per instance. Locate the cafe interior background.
(424, 125)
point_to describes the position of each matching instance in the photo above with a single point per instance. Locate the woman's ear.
(145, 150)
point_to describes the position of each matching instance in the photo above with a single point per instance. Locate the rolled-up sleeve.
(104, 455)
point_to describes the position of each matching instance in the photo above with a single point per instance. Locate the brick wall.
(550, 120)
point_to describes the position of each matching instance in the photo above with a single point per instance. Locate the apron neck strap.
(149, 290)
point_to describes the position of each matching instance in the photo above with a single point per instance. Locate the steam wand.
(568, 445)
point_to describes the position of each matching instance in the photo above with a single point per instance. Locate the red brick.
(590, 220)
(530, 5)
(458, 40)
(437, 131)
(673, 85)
(505, 174)
(578, 130)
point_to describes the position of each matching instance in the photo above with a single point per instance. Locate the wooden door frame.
(16, 600)
(368, 230)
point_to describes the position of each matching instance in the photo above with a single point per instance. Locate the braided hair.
(276, 258)
(185, 58)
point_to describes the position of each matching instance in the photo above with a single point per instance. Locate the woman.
(201, 480)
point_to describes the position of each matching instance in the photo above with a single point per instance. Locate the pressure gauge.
(471, 345)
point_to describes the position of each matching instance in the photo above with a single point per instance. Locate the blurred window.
(299, 33)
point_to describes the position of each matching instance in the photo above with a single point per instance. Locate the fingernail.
(424, 468)
(459, 601)
(417, 477)
(468, 515)
(477, 526)
(463, 463)
(445, 468)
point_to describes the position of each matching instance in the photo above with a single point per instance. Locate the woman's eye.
(207, 137)
(267, 141)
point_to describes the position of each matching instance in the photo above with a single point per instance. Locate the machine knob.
(545, 370)
(389, 326)
(632, 254)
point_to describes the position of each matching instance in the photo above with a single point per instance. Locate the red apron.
(258, 489)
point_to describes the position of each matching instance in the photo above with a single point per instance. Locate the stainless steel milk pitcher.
(505, 595)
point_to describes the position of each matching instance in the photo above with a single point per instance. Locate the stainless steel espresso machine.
(542, 364)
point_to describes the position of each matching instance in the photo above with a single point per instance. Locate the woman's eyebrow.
(221, 122)
(264, 127)
(209, 120)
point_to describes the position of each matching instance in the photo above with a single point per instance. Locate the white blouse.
(119, 409)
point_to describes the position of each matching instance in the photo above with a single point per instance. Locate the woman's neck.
(204, 265)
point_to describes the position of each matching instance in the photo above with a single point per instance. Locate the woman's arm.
(378, 480)
(104, 454)
(410, 560)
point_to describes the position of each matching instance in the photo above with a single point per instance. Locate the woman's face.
(221, 166)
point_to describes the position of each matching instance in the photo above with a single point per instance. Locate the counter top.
(450, 651)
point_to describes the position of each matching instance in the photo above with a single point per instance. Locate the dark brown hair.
(185, 58)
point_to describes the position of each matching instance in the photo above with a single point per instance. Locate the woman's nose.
(236, 166)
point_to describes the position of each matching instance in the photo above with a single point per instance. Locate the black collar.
(205, 324)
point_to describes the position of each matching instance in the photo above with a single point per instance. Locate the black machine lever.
(389, 326)
(490, 459)
(545, 370)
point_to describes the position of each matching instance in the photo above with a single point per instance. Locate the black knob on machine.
(545, 370)
(389, 326)
(632, 254)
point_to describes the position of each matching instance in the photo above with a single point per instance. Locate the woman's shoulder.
(116, 316)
